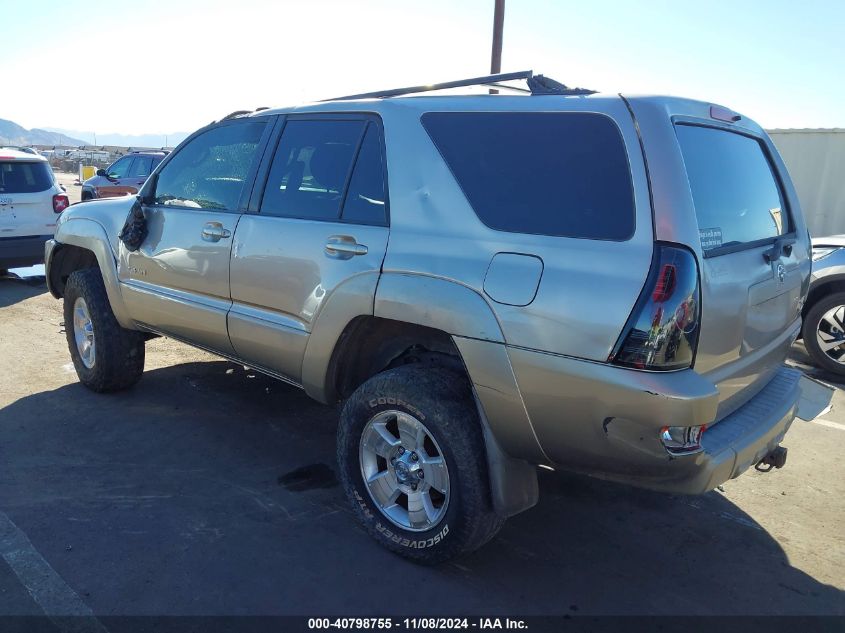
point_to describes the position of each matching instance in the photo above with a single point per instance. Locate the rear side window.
(209, 172)
(20, 177)
(736, 195)
(560, 174)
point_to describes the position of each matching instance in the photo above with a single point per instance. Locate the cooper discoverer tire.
(428, 412)
(106, 356)
(831, 330)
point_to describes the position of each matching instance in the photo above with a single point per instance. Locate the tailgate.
(753, 258)
(23, 214)
(26, 199)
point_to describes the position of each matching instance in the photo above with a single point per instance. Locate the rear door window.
(210, 171)
(21, 177)
(547, 173)
(366, 199)
(734, 188)
(311, 167)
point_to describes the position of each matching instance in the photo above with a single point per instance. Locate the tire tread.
(119, 361)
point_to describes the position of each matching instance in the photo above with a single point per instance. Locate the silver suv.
(601, 283)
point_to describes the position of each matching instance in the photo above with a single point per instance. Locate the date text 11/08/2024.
(357, 624)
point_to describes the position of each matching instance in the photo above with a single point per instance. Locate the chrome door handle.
(344, 247)
(214, 232)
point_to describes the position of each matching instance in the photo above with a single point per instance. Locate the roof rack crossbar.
(474, 81)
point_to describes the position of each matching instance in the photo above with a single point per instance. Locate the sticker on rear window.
(710, 238)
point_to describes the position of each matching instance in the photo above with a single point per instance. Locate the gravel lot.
(209, 489)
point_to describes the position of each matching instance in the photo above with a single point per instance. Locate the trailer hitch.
(775, 459)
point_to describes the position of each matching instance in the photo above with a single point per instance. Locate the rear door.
(322, 220)
(141, 168)
(754, 261)
(26, 198)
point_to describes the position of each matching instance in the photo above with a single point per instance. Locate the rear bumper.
(605, 421)
(743, 438)
(22, 251)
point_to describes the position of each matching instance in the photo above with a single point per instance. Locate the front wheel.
(413, 463)
(106, 356)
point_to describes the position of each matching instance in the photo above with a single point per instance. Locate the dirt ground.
(209, 489)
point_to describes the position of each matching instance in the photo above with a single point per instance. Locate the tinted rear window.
(562, 174)
(734, 189)
(19, 177)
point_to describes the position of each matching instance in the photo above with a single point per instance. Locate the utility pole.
(498, 26)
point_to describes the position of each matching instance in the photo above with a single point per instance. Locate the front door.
(322, 222)
(114, 184)
(177, 283)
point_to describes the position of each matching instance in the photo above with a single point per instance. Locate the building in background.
(815, 159)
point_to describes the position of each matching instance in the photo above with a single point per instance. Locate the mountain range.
(13, 134)
(125, 140)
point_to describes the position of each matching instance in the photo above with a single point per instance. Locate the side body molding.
(90, 234)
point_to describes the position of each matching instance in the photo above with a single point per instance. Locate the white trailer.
(815, 159)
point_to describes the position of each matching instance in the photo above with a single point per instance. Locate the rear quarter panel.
(588, 287)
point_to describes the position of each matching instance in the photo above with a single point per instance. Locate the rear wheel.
(824, 333)
(413, 463)
(106, 356)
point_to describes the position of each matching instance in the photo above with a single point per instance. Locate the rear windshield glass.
(20, 177)
(736, 196)
(547, 173)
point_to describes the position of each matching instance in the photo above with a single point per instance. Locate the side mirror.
(102, 172)
(147, 194)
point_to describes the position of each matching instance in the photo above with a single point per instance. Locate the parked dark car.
(124, 177)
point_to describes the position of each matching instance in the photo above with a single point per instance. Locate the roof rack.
(239, 113)
(19, 148)
(537, 85)
(150, 151)
(236, 114)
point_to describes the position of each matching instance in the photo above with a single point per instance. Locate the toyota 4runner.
(601, 283)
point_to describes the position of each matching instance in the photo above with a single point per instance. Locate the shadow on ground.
(799, 357)
(14, 289)
(208, 489)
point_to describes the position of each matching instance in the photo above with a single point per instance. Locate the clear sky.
(163, 66)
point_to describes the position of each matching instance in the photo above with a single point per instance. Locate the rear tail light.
(60, 203)
(662, 331)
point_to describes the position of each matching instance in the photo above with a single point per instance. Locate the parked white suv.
(30, 201)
